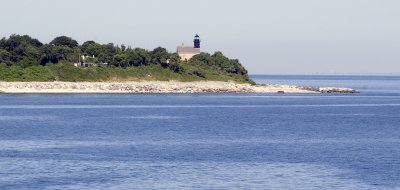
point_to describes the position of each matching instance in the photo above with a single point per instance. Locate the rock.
(314, 89)
(336, 90)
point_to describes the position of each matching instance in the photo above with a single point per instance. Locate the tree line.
(24, 51)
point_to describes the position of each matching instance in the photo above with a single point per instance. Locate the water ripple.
(186, 106)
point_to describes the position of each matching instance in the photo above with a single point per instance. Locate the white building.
(187, 52)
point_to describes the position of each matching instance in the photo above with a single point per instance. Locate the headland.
(65, 66)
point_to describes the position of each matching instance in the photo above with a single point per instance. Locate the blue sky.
(269, 37)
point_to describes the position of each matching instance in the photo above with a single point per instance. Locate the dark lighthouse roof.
(197, 41)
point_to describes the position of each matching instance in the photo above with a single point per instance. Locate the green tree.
(47, 55)
(5, 56)
(91, 60)
(64, 41)
(174, 63)
(92, 48)
(121, 60)
(159, 56)
(138, 57)
(27, 62)
(203, 58)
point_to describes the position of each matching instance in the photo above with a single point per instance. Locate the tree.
(62, 52)
(47, 55)
(159, 55)
(174, 63)
(137, 57)
(108, 52)
(32, 52)
(55, 54)
(64, 41)
(16, 40)
(121, 60)
(17, 48)
(91, 60)
(220, 62)
(5, 56)
(27, 62)
(91, 48)
(202, 57)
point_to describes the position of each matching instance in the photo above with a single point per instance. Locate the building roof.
(188, 49)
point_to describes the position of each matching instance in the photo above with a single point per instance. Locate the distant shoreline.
(155, 87)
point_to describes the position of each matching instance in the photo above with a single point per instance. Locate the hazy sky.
(268, 36)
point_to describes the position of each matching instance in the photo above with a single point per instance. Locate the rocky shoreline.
(330, 90)
(158, 87)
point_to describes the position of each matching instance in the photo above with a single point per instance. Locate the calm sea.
(211, 141)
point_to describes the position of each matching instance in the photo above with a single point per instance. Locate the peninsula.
(64, 66)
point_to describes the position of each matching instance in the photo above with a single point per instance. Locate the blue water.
(210, 141)
(366, 84)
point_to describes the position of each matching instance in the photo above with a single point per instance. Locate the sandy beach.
(157, 87)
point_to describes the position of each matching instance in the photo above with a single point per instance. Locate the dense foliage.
(23, 58)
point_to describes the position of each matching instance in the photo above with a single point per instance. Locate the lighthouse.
(187, 52)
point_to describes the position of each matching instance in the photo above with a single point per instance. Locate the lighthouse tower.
(197, 41)
(187, 52)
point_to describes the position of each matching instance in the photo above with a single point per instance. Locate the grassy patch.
(69, 73)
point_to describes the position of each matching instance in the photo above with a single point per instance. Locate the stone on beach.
(157, 87)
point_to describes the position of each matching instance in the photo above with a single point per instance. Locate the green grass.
(67, 72)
